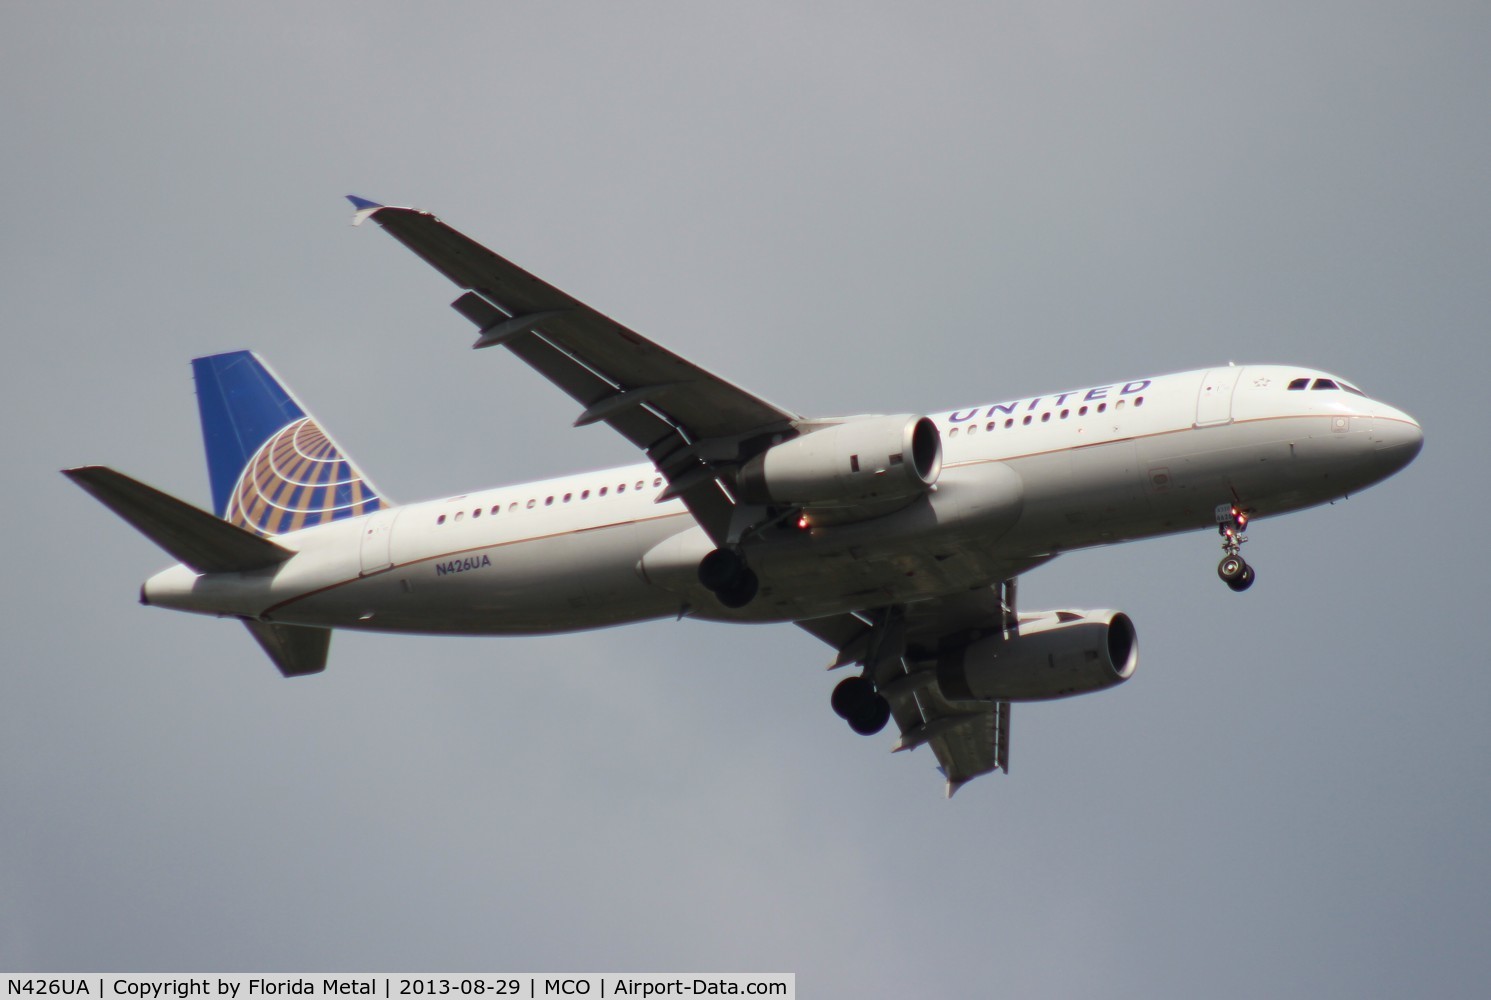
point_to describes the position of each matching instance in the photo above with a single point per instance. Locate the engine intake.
(1055, 654)
(864, 458)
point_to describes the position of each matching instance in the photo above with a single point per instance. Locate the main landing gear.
(1233, 569)
(856, 701)
(725, 573)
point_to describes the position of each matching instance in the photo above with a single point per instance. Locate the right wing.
(693, 425)
(969, 738)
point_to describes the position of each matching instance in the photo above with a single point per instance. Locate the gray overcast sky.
(844, 207)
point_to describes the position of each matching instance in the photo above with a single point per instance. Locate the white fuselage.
(1022, 481)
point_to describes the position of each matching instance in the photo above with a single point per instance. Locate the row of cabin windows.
(1028, 419)
(532, 502)
(1324, 383)
(1009, 422)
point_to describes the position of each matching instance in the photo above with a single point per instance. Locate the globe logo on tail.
(298, 479)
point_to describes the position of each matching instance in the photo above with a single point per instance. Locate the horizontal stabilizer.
(296, 649)
(192, 536)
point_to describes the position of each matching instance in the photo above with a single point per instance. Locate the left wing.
(694, 426)
(898, 645)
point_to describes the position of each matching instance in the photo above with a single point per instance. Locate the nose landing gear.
(1233, 569)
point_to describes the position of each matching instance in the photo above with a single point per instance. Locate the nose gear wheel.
(1233, 569)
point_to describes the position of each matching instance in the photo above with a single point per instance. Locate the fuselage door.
(1214, 402)
(377, 540)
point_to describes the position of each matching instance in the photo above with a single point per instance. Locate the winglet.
(365, 208)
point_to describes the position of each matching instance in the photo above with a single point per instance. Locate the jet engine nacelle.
(863, 458)
(1054, 654)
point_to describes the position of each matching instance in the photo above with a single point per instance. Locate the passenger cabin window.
(1323, 383)
(1300, 383)
(440, 519)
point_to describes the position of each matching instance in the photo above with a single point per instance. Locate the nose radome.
(1399, 436)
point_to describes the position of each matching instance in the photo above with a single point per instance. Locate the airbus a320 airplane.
(896, 539)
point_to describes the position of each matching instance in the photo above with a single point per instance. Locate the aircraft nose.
(1399, 437)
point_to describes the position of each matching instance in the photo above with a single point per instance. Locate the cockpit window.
(1300, 383)
(1324, 383)
(1352, 389)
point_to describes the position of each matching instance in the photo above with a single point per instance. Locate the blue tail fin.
(273, 468)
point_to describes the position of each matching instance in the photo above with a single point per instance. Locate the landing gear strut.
(856, 702)
(725, 572)
(1233, 569)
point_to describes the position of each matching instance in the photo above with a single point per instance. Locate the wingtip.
(365, 208)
